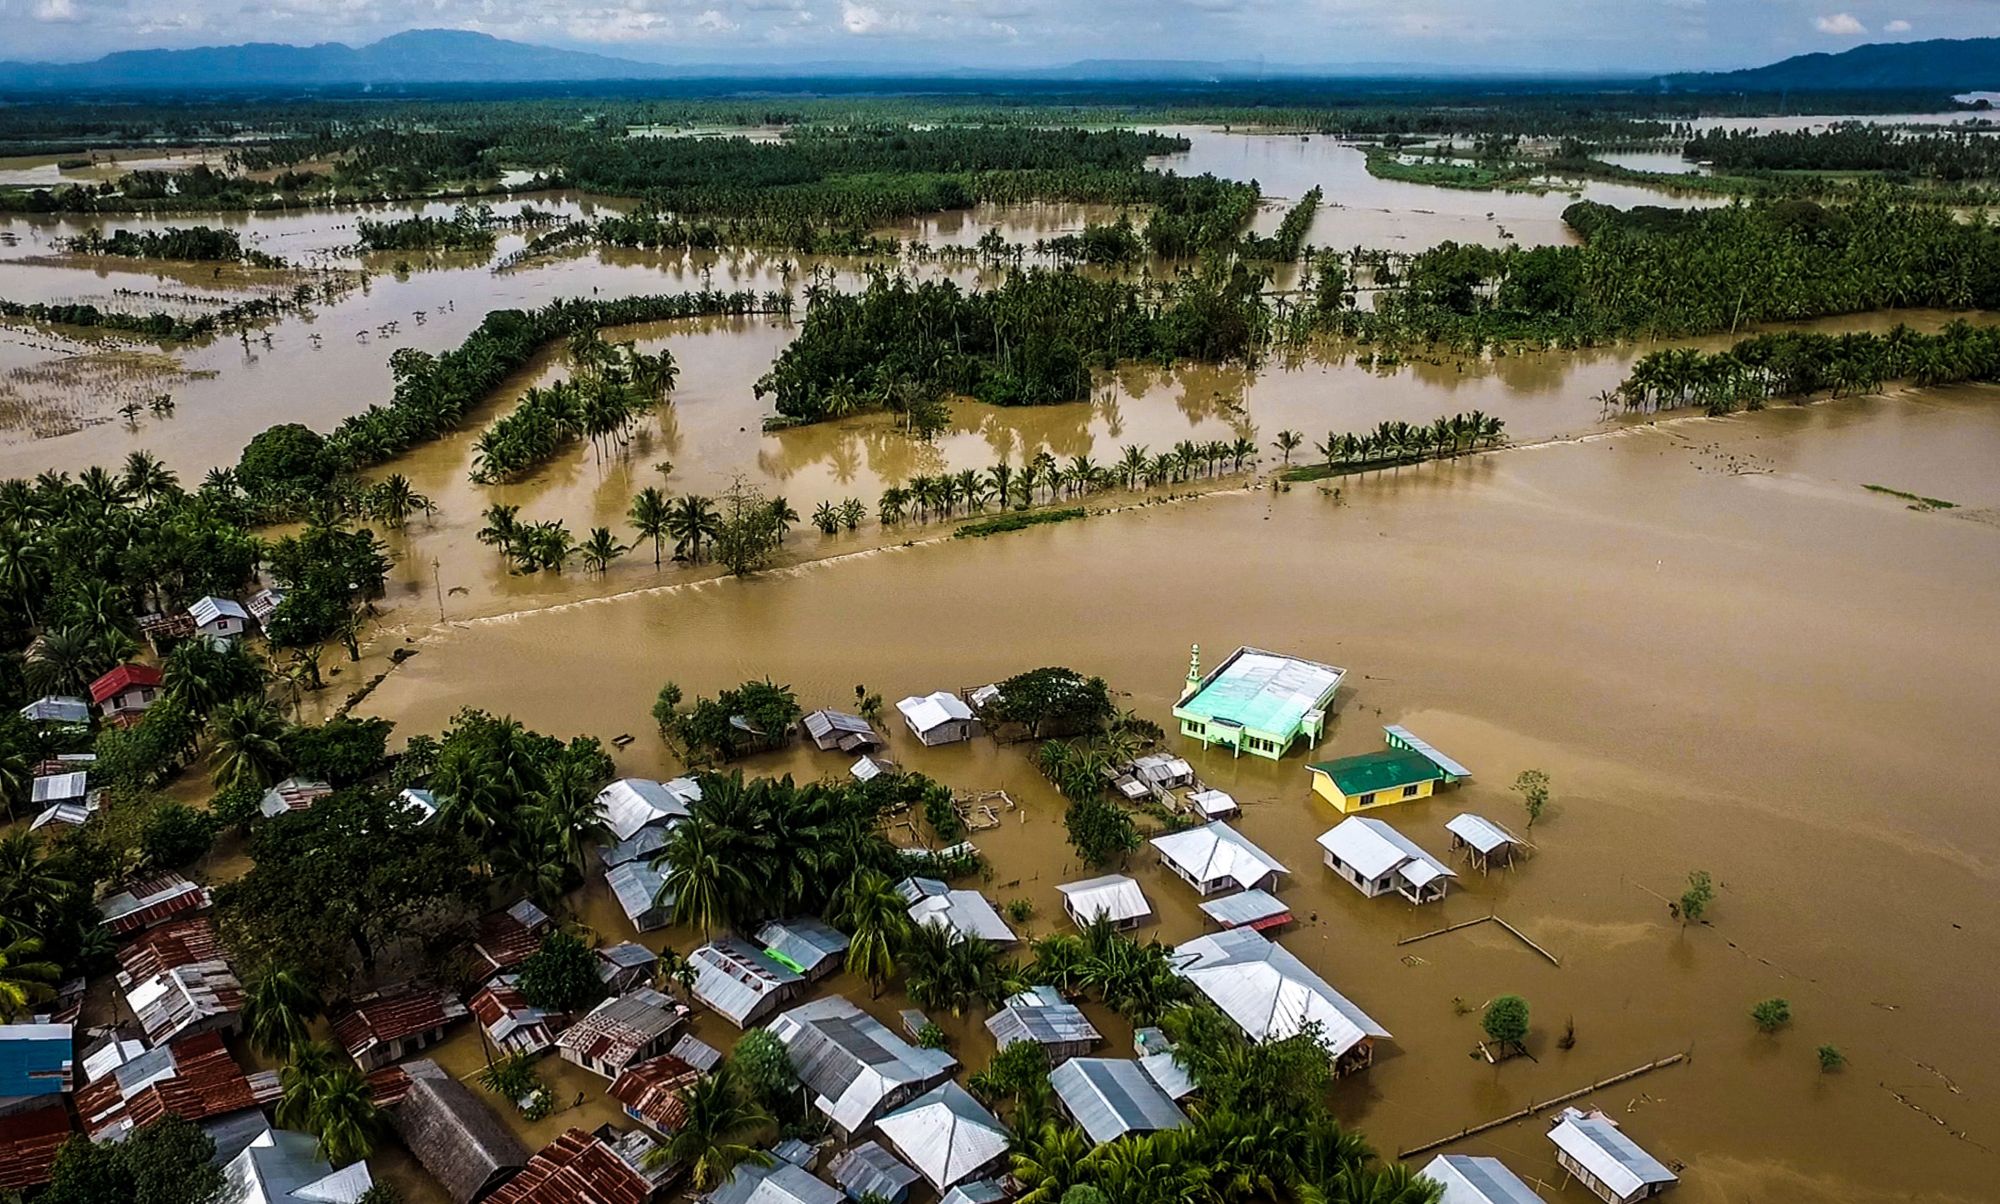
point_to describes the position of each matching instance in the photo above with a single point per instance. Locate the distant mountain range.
(1943, 64)
(452, 56)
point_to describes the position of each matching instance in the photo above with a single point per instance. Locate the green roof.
(1372, 773)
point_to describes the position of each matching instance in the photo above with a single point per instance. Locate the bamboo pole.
(1543, 1106)
(1411, 940)
(1553, 959)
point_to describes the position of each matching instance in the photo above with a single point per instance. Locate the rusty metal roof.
(28, 1144)
(393, 1014)
(651, 1091)
(575, 1168)
(194, 1078)
(149, 901)
(182, 942)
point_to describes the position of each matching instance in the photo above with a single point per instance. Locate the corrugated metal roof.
(640, 846)
(575, 1168)
(184, 997)
(71, 815)
(637, 887)
(194, 1078)
(1245, 907)
(802, 942)
(629, 804)
(292, 794)
(946, 1134)
(617, 1031)
(781, 1183)
(1214, 803)
(927, 712)
(207, 610)
(507, 938)
(423, 803)
(57, 708)
(1112, 1097)
(1372, 773)
(1470, 1180)
(1481, 833)
(35, 1059)
(1374, 848)
(1402, 737)
(1168, 1074)
(60, 788)
(980, 1191)
(283, 1167)
(1263, 691)
(151, 901)
(852, 1062)
(697, 1053)
(121, 679)
(1116, 896)
(869, 1170)
(966, 912)
(1269, 993)
(1597, 1144)
(739, 981)
(652, 1091)
(512, 1023)
(1041, 1016)
(29, 1140)
(1217, 851)
(393, 1015)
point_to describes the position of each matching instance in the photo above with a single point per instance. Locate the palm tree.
(702, 881)
(31, 884)
(343, 1116)
(308, 1063)
(1132, 464)
(24, 567)
(1050, 1162)
(1288, 442)
(25, 979)
(601, 549)
(568, 808)
(826, 518)
(502, 526)
(692, 520)
(246, 732)
(146, 478)
(782, 516)
(1394, 1184)
(722, 1121)
(878, 922)
(650, 516)
(278, 1005)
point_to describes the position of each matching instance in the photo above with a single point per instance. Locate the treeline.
(609, 389)
(1952, 156)
(1664, 272)
(468, 230)
(1290, 239)
(157, 325)
(1799, 364)
(200, 243)
(1031, 341)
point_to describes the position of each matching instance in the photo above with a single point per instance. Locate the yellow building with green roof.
(1408, 769)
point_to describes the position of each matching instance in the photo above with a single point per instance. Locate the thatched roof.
(455, 1135)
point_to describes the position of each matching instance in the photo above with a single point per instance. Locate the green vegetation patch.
(1917, 500)
(1017, 521)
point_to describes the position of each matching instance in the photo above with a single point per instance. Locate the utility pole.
(437, 584)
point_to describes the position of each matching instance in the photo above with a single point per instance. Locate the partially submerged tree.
(1506, 1022)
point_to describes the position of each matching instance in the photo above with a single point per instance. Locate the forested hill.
(428, 56)
(1944, 64)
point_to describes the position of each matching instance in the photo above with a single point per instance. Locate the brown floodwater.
(1727, 654)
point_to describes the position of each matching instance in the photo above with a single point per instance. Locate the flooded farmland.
(1727, 654)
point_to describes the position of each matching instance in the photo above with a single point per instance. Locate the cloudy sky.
(1567, 34)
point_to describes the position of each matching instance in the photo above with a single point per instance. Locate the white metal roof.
(1269, 993)
(421, 803)
(966, 912)
(946, 1134)
(1215, 851)
(925, 712)
(1600, 1147)
(207, 610)
(630, 804)
(1471, 1180)
(1214, 803)
(781, 1183)
(1116, 896)
(1244, 907)
(1374, 848)
(73, 813)
(737, 980)
(57, 708)
(1112, 1097)
(852, 1062)
(283, 1167)
(1481, 833)
(1398, 734)
(60, 788)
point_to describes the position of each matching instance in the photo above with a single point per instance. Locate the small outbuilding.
(1216, 857)
(940, 718)
(514, 1025)
(1375, 859)
(622, 1031)
(1470, 1180)
(292, 794)
(220, 619)
(1213, 804)
(59, 710)
(740, 982)
(638, 888)
(1113, 897)
(838, 731)
(1259, 910)
(147, 902)
(1485, 843)
(1591, 1146)
(805, 945)
(625, 965)
(1041, 1016)
(651, 1092)
(1110, 1098)
(868, 1172)
(505, 939)
(947, 1135)
(967, 913)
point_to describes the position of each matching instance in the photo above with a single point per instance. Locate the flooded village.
(1588, 809)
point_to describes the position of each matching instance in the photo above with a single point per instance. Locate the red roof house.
(389, 1026)
(194, 1078)
(575, 1168)
(28, 1144)
(126, 690)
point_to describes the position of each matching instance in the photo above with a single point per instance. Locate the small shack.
(1213, 804)
(1591, 1146)
(838, 731)
(390, 1025)
(1216, 857)
(1041, 1016)
(947, 1135)
(61, 710)
(869, 1172)
(292, 794)
(1375, 859)
(1471, 1180)
(637, 886)
(1259, 910)
(1485, 843)
(505, 939)
(967, 913)
(619, 1032)
(1110, 1098)
(625, 965)
(939, 718)
(807, 946)
(651, 1092)
(514, 1025)
(740, 982)
(1113, 897)
(220, 619)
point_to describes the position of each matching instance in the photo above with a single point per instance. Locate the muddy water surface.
(1727, 654)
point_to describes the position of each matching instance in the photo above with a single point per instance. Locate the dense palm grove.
(1798, 364)
(1852, 146)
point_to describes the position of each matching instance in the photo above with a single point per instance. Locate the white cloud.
(865, 20)
(1840, 25)
(1897, 26)
(711, 21)
(57, 11)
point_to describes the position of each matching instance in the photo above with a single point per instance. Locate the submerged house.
(1113, 897)
(454, 1135)
(650, 1092)
(780, 1183)
(1109, 1098)
(630, 804)
(1216, 857)
(1269, 994)
(967, 913)
(148, 902)
(1375, 859)
(807, 946)
(390, 1025)
(292, 794)
(625, 965)
(283, 1167)
(1254, 909)
(1486, 843)
(838, 731)
(177, 982)
(1257, 702)
(507, 938)
(854, 1066)
(947, 1135)
(740, 982)
(514, 1025)
(622, 1031)
(1591, 1146)
(195, 1079)
(1470, 1180)
(220, 619)
(576, 1168)
(1041, 1015)
(638, 888)
(940, 718)
(868, 1173)
(1409, 768)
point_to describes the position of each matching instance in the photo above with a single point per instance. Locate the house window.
(1409, 792)
(1368, 798)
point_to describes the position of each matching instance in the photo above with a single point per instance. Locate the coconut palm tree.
(719, 1130)
(246, 732)
(649, 516)
(308, 1063)
(878, 922)
(25, 978)
(691, 521)
(147, 479)
(701, 880)
(782, 516)
(31, 884)
(1288, 442)
(343, 1116)
(278, 1005)
(1050, 1162)
(601, 549)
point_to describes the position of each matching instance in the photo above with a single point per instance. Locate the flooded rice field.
(1726, 652)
